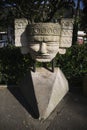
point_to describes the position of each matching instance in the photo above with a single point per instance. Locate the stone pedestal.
(44, 90)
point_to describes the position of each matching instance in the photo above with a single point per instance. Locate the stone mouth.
(43, 54)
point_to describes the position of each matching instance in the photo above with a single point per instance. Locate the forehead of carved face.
(43, 38)
(49, 29)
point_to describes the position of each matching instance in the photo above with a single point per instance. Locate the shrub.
(74, 62)
(12, 64)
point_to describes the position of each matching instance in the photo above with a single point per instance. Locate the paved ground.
(70, 114)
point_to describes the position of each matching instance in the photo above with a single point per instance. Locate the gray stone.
(67, 23)
(44, 90)
(43, 40)
(66, 33)
(62, 50)
(65, 42)
(20, 33)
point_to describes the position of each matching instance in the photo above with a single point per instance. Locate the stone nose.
(43, 48)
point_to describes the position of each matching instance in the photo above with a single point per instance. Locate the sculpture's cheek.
(34, 47)
(52, 47)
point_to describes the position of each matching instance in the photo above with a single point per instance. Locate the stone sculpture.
(43, 40)
(43, 89)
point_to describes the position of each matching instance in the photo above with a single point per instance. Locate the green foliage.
(37, 10)
(14, 65)
(74, 62)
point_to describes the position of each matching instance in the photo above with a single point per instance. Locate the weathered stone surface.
(47, 29)
(62, 50)
(67, 23)
(66, 33)
(44, 90)
(20, 32)
(43, 40)
(65, 42)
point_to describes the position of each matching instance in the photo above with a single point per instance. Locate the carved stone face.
(43, 41)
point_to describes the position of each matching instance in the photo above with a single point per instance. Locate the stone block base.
(43, 90)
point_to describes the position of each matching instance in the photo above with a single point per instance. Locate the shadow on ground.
(16, 92)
